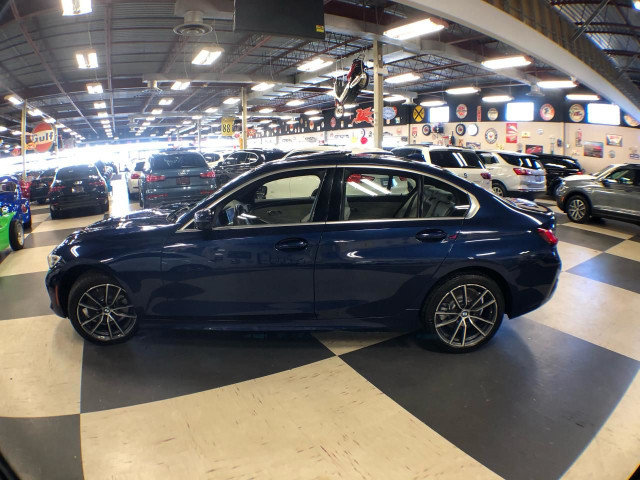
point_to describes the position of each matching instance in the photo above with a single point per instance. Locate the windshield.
(603, 171)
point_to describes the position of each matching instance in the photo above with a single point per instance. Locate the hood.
(573, 178)
(140, 220)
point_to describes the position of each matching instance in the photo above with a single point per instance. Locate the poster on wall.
(593, 149)
(474, 145)
(614, 140)
(512, 132)
(578, 138)
(533, 149)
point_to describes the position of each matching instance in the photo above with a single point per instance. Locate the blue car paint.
(15, 201)
(353, 275)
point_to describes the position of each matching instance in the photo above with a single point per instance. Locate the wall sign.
(479, 113)
(534, 149)
(492, 114)
(426, 130)
(612, 154)
(333, 122)
(576, 112)
(44, 135)
(512, 133)
(578, 138)
(491, 135)
(363, 115)
(418, 113)
(472, 130)
(460, 129)
(414, 131)
(614, 140)
(461, 111)
(593, 149)
(226, 126)
(389, 112)
(629, 120)
(547, 112)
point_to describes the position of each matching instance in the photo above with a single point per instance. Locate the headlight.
(53, 260)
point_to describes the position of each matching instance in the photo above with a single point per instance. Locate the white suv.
(514, 172)
(459, 161)
(133, 179)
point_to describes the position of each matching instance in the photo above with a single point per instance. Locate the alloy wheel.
(466, 315)
(498, 191)
(576, 209)
(20, 233)
(105, 313)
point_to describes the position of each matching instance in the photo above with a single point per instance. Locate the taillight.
(97, 183)
(208, 174)
(154, 178)
(522, 171)
(135, 176)
(56, 188)
(580, 172)
(206, 192)
(485, 175)
(548, 236)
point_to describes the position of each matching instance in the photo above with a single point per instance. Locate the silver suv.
(613, 192)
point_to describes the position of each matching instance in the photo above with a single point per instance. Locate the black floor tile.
(525, 406)
(39, 209)
(164, 363)
(635, 238)
(584, 238)
(54, 237)
(43, 447)
(611, 269)
(23, 296)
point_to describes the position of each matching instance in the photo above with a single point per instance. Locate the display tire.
(455, 283)
(16, 235)
(577, 208)
(82, 285)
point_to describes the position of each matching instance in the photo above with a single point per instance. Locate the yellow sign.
(227, 126)
(418, 113)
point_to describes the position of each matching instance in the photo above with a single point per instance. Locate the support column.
(244, 118)
(23, 140)
(378, 104)
(199, 136)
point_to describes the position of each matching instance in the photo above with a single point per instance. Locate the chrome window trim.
(471, 212)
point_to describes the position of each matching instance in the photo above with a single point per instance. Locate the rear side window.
(180, 160)
(76, 172)
(521, 161)
(470, 159)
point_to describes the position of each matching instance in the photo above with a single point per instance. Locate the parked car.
(613, 192)
(296, 152)
(39, 188)
(15, 213)
(558, 167)
(461, 162)
(132, 177)
(242, 161)
(175, 177)
(367, 242)
(76, 187)
(514, 173)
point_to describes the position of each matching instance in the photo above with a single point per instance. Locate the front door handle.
(291, 244)
(431, 235)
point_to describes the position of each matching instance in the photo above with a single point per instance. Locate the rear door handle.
(289, 244)
(431, 235)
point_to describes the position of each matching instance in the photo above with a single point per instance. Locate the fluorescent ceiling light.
(207, 55)
(67, 130)
(105, 122)
(211, 110)
(337, 73)
(557, 84)
(35, 113)
(316, 117)
(196, 117)
(16, 132)
(60, 125)
(264, 121)
(507, 62)
(266, 110)
(261, 87)
(94, 88)
(231, 101)
(292, 122)
(395, 98)
(187, 122)
(3, 128)
(312, 112)
(497, 98)
(273, 125)
(315, 64)
(87, 59)
(156, 111)
(636, 4)
(416, 29)
(583, 97)
(165, 101)
(180, 85)
(76, 7)
(103, 114)
(150, 119)
(100, 105)
(146, 124)
(16, 100)
(433, 103)
(462, 90)
(402, 78)
(295, 103)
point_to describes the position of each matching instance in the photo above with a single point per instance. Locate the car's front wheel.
(464, 312)
(100, 310)
(16, 235)
(578, 209)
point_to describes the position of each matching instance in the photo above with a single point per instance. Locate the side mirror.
(607, 182)
(203, 220)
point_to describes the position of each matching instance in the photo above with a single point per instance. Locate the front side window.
(381, 194)
(624, 176)
(279, 199)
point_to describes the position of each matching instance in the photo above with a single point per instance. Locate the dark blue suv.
(327, 241)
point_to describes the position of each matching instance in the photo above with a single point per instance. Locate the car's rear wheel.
(100, 310)
(464, 312)
(499, 189)
(578, 209)
(16, 235)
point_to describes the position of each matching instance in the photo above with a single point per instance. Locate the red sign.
(461, 111)
(512, 133)
(44, 135)
(15, 152)
(479, 114)
(363, 115)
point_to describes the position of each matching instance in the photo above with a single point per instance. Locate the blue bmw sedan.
(327, 241)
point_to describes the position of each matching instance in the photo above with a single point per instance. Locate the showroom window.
(279, 199)
(520, 111)
(371, 194)
(439, 114)
(603, 113)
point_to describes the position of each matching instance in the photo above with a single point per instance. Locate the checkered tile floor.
(555, 394)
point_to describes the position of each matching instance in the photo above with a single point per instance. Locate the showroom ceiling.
(139, 57)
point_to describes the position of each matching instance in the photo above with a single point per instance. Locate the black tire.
(499, 189)
(577, 208)
(364, 81)
(93, 284)
(16, 235)
(54, 215)
(488, 319)
(30, 222)
(105, 208)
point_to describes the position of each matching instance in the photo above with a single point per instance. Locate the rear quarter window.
(445, 159)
